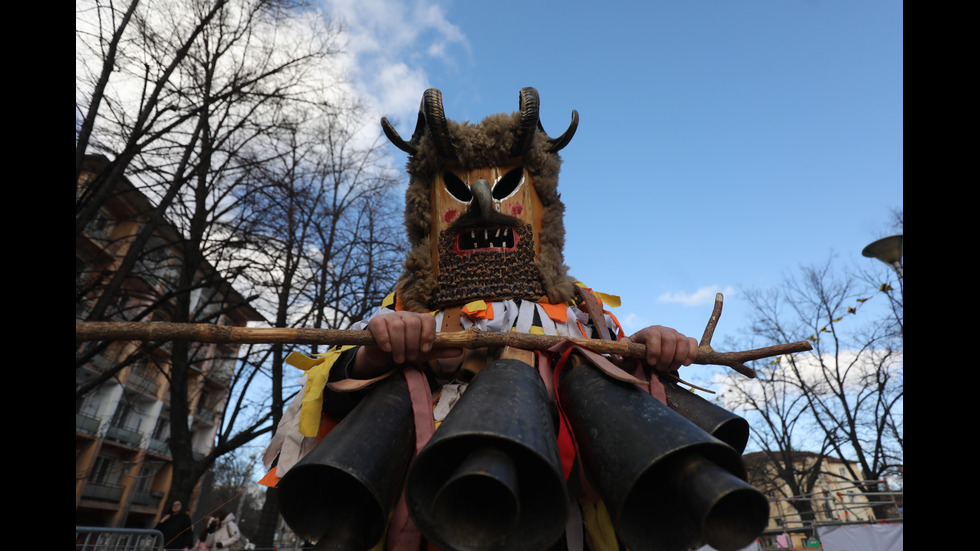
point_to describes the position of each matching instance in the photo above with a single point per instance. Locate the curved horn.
(561, 141)
(431, 117)
(435, 119)
(410, 147)
(529, 121)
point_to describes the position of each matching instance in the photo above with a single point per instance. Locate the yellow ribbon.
(612, 301)
(317, 371)
(609, 300)
(598, 526)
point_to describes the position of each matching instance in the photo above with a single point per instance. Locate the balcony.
(205, 416)
(102, 492)
(222, 373)
(125, 436)
(147, 499)
(98, 364)
(158, 447)
(86, 424)
(143, 384)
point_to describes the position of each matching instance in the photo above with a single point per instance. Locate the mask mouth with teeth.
(500, 239)
(483, 214)
(479, 264)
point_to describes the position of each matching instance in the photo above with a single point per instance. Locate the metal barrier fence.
(91, 538)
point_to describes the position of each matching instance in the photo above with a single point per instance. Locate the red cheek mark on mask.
(449, 216)
(516, 211)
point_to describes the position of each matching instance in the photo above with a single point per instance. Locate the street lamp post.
(888, 250)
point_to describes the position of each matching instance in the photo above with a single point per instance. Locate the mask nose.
(482, 204)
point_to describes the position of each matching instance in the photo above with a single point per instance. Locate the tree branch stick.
(709, 330)
(199, 332)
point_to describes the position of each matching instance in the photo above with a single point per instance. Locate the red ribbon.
(403, 535)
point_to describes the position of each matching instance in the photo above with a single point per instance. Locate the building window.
(103, 472)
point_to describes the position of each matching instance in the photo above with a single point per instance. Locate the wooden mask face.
(482, 210)
(485, 234)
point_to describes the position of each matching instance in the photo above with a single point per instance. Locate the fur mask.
(482, 210)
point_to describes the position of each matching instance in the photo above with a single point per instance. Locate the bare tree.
(282, 209)
(186, 99)
(358, 239)
(781, 426)
(126, 97)
(846, 397)
(327, 241)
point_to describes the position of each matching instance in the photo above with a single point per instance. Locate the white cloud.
(857, 370)
(387, 43)
(704, 295)
(398, 89)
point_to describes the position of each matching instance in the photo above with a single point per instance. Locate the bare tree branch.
(163, 331)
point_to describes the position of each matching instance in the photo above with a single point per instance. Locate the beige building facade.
(123, 467)
(836, 498)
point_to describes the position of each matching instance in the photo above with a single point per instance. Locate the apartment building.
(836, 499)
(123, 467)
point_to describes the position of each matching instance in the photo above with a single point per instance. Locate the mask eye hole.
(508, 184)
(456, 188)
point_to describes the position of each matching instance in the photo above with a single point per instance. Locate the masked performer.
(511, 465)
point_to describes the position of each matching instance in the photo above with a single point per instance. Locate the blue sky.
(722, 143)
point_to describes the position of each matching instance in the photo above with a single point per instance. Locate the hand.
(400, 338)
(667, 349)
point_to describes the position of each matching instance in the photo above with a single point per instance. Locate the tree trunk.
(268, 520)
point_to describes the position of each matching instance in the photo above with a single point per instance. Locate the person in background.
(175, 526)
(225, 534)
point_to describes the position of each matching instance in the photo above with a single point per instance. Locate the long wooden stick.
(199, 332)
